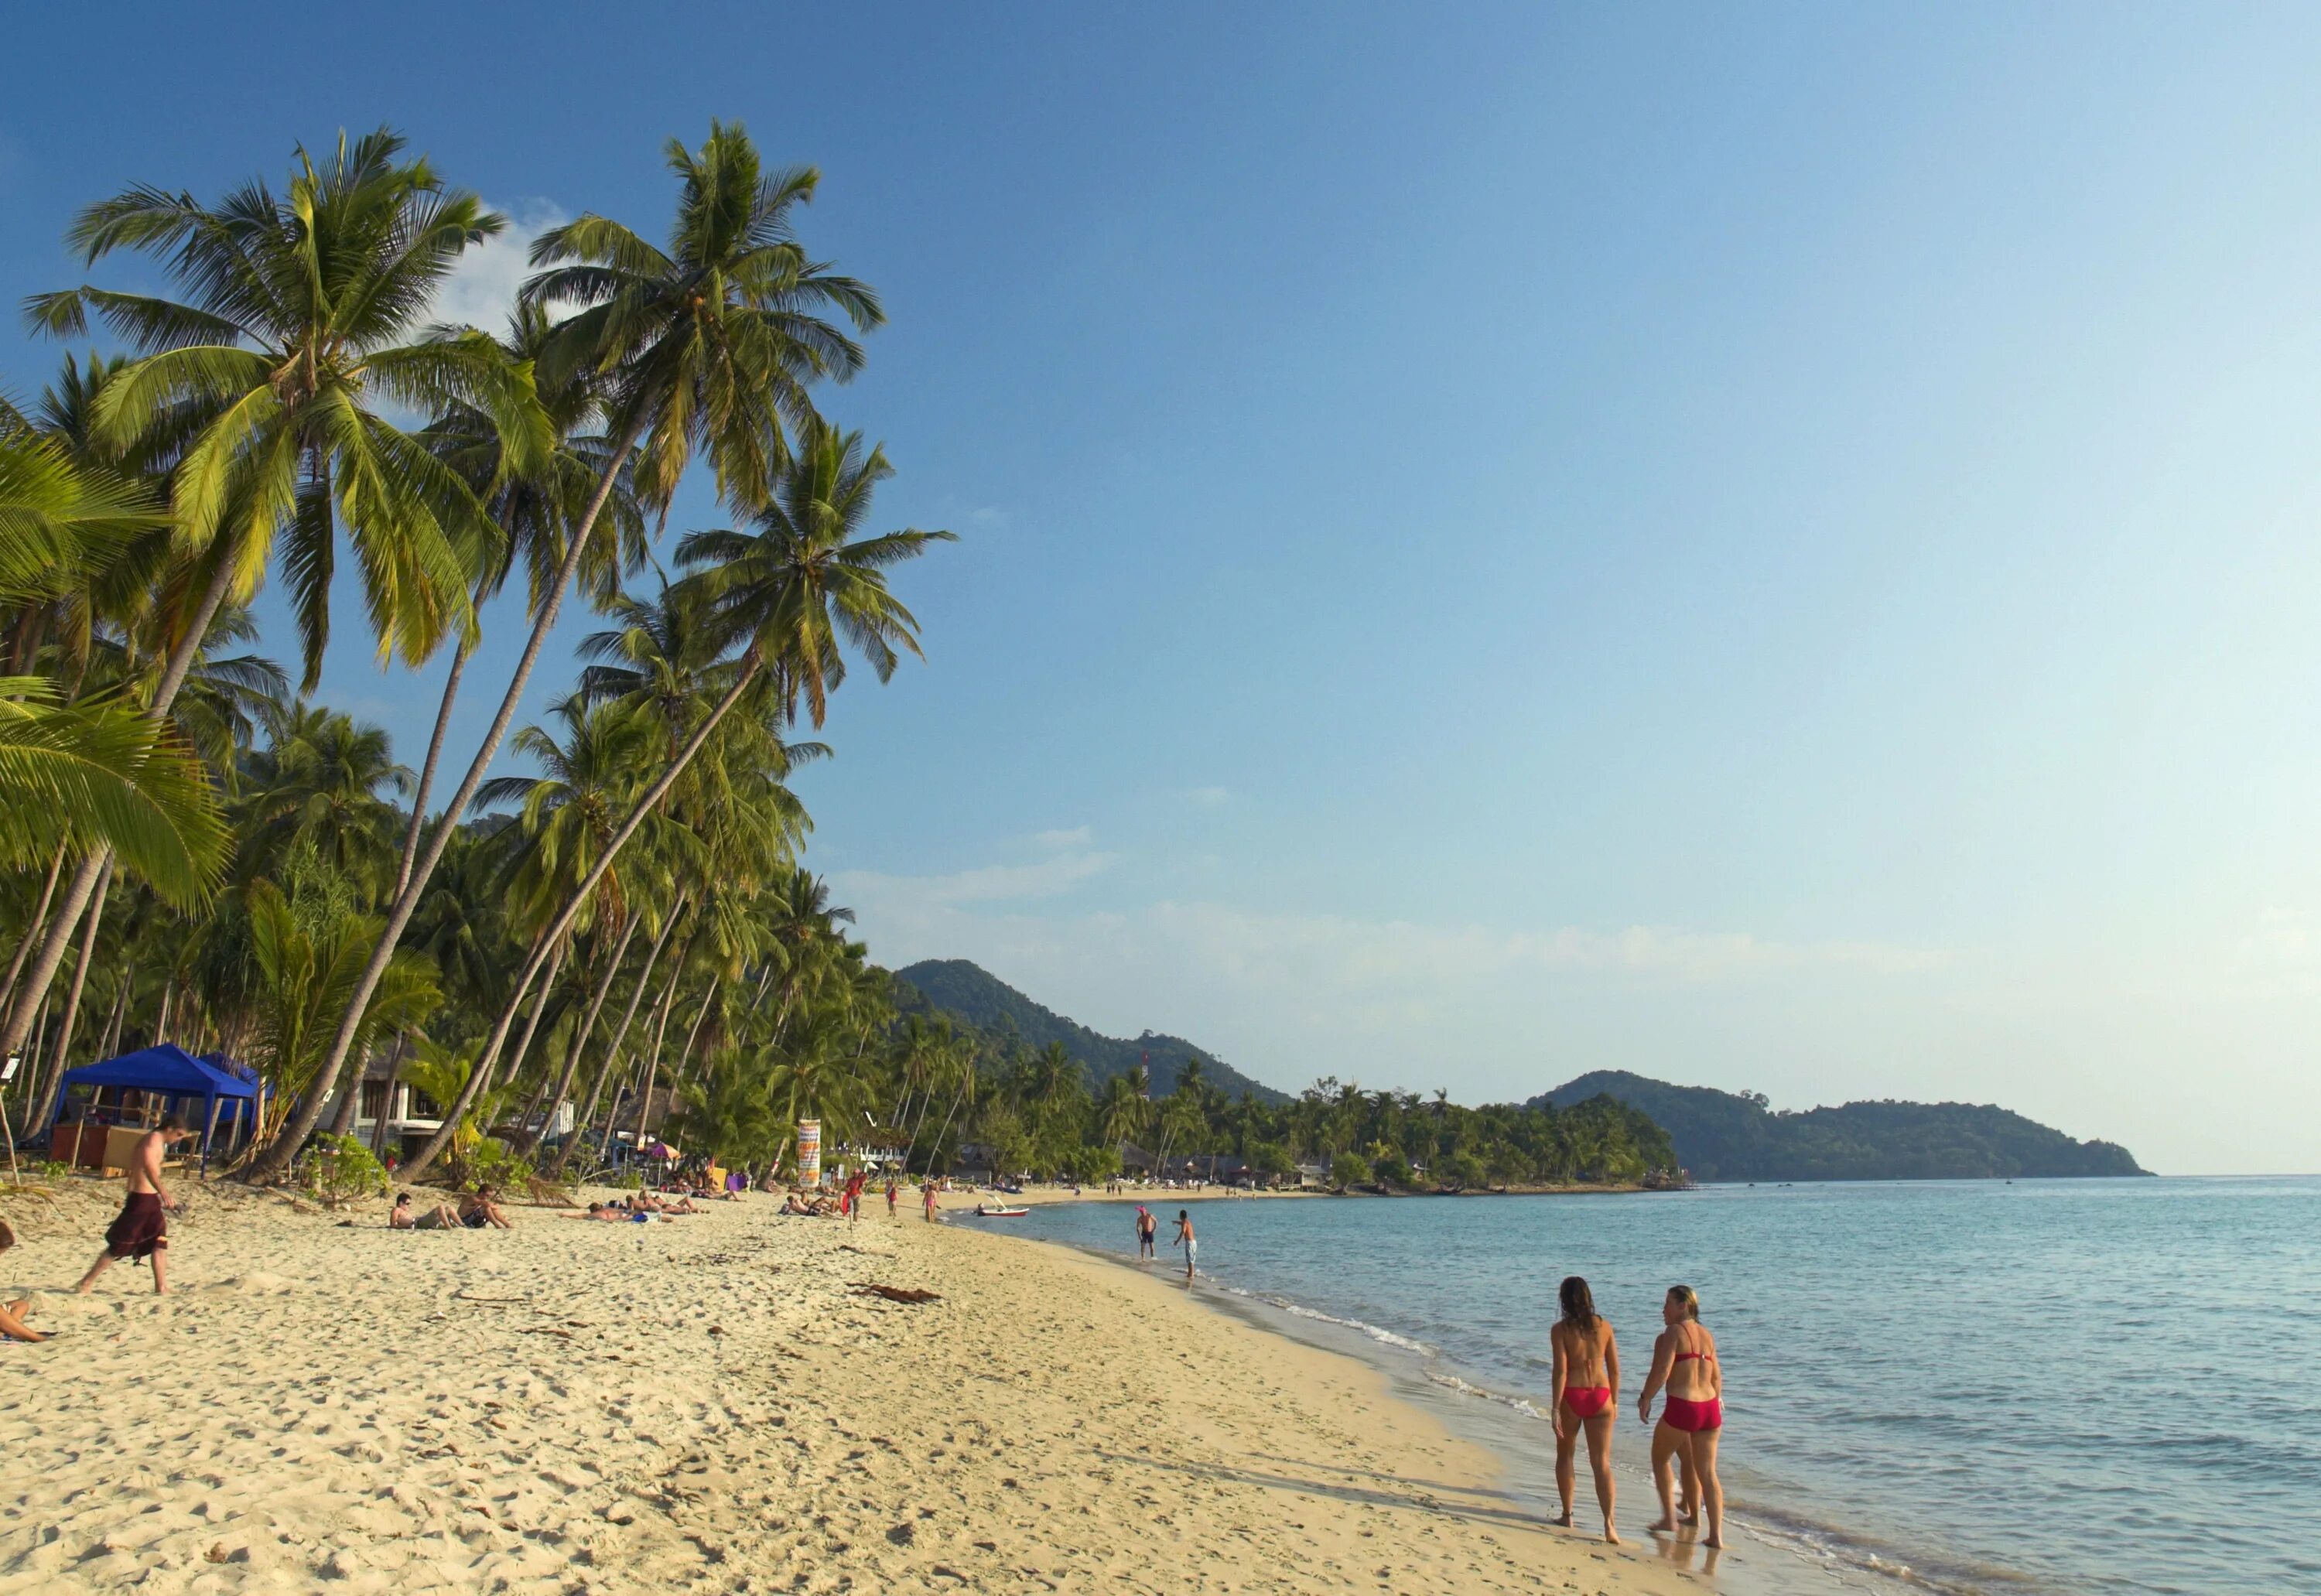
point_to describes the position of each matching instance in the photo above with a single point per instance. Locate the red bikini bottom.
(1586, 1402)
(1691, 1417)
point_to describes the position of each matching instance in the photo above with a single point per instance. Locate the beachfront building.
(390, 1116)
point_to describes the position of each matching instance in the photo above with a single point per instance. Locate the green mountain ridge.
(1722, 1136)
(963, 989)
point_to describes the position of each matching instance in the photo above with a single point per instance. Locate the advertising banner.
(809, 1152)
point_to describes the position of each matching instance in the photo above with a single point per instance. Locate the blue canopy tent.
(169, 1071)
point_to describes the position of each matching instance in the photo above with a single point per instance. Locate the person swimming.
(1587, 1379)
(1684, 1360)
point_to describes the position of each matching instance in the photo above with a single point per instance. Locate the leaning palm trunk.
(31, 937)
(79, 984)
(474, 1089)
(613, 1050)
(644, 1060)
(532, 1024)
(99, 862)
(580, 1034)
(644, 806)
(277, 1157)
(386, 1098)
(427, 771)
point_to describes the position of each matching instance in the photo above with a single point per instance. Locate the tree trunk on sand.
(661, 1030)
(277, 1157)
(342, 1118)
(111, 1041)
(580, 1036)
(79, 980)
(83, 880)
(613, 1049)
(32, 929)
(427, 771)
(531, 1026)
(454, 1111)
(386, 1098)
(652, 1072)
(753, 663)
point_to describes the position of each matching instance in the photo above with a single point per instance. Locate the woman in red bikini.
(1684, 1360)
(1587, 1374)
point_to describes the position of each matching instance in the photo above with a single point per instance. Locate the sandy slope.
(702, 1406)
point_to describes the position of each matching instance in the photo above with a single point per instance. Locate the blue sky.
(1770, 547)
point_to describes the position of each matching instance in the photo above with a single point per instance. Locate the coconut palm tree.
(298, 323)
(707, 348)
(786, 593)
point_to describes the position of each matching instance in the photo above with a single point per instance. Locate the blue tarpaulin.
(168, 1070)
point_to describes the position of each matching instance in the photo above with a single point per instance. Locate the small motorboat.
(1000, 1211)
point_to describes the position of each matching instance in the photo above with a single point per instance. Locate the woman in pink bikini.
(1684, 1360)
(1587, 1376)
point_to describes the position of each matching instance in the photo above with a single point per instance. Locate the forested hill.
(1720, 1135)
(957, 986)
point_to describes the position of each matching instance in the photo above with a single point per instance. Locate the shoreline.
(1764, 1556)
(708, 1404)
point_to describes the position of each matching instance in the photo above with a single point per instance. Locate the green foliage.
(1393, 1172)
(1347, 1171)
(491, 1162)
(1467, 1172)
(341, 1169)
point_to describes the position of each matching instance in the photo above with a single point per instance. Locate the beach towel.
(140, 1231)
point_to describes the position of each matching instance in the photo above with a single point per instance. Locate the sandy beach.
(706, 1404)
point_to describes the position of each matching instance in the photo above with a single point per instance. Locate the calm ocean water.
(2047, 1386)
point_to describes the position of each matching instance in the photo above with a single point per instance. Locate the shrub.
(492, 1162)
(1393, 1170)
(1348, 1170)
(341, 1169)
(1467, 1171)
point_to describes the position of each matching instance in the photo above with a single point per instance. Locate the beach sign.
(809, 1152)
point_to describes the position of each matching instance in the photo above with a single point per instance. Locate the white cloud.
(986, 514)
(1207, 797)
(481, 290)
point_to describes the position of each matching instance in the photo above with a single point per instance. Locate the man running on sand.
(141, 1231)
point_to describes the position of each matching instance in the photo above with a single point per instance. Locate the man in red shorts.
(141, 1231)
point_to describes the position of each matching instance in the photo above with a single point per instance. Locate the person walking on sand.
(142, 1228)
(930, 1189)
(1185, 1240)
(1147, 1229)
(1586, 1383)
(1684, 1360)
(893, 1188)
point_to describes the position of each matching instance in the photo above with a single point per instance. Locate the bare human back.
(142, 1230)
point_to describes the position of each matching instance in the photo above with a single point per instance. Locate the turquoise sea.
(1970, 1387)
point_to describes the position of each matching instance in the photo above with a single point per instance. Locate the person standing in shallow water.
(1586, 1387)
(1684, 1359)
(1185, 1240)
(1146, 1227)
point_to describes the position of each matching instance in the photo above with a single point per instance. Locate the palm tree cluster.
(1035, 1113)
(192, 849)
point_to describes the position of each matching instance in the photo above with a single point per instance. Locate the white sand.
(701, 1405)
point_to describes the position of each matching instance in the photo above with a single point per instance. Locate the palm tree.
(707, 348)
(786, 593)
(298, 323)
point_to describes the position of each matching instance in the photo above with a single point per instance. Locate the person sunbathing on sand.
(12, 1326)
(603, 1214)
(479, 1209)
(439, 1217)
